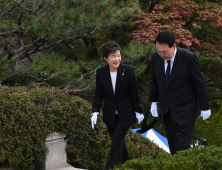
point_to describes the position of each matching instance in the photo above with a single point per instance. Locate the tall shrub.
(29, 114)
(209, 158)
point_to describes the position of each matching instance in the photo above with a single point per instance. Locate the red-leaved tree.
(196, 26)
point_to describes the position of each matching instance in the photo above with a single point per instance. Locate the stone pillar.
(56, 156)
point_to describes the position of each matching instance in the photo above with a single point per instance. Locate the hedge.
(204, 158)
(29, 114)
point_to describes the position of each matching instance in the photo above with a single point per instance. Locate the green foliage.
(29, 114)
(66, 71)
(139, 147)
(212, 67)
(138, 55)
(195, 158)
(54, 70)
(209, 132)
(7, 68)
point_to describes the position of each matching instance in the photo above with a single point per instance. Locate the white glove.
(94, 118)
(153, 109)
(205, 114)
(139, 117)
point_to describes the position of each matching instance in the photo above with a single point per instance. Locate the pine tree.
(27, 27)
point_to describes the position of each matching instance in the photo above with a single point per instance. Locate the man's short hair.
(165, 37)
(110, 47)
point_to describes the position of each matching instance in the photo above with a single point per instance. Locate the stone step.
(67, 168)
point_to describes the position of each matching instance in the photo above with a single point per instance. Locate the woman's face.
(114, 60)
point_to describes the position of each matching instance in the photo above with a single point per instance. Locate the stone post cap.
(54, 136)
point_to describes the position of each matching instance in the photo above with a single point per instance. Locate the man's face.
(165, 51)
(114, 60)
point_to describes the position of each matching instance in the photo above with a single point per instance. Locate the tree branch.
(37, 43)
(68, 86)
(41, 79)
(20, 17)
(44, 14)
(4, 13)
(8, 49)
(89, 32)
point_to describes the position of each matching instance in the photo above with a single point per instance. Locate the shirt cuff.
(95, 112)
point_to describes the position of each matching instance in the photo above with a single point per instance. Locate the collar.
(173, 58)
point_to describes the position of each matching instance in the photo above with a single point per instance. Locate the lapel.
(119, 78)
(107, 79)
(178, 61)
(162, 72)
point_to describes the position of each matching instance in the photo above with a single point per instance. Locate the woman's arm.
(134, 94)
(99, 94)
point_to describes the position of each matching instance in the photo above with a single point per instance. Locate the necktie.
(168, 72)
(167, 78)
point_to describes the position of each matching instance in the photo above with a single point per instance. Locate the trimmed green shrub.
(139, 147)
(29, 114)
(204, 158)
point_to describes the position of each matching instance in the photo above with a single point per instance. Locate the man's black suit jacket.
(126, 99)
(186, 92)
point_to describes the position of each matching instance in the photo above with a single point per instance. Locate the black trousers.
(118, 151)
(179, 137)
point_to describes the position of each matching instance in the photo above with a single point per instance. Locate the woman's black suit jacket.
(126, 100)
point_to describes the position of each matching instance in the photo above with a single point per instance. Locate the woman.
(116, 83)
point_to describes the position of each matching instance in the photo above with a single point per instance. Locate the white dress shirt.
(113, 79)
(171, 62)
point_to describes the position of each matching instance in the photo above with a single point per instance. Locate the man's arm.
(199, 82)
(154, 93)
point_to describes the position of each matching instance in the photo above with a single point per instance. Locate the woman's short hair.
(110, 47)
(165, 37)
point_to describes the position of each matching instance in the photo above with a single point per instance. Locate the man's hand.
(139, 117)
(94, 118)
(153, 109)
(205, 114)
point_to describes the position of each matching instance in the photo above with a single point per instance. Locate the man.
(116, 83)
(179, 84)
